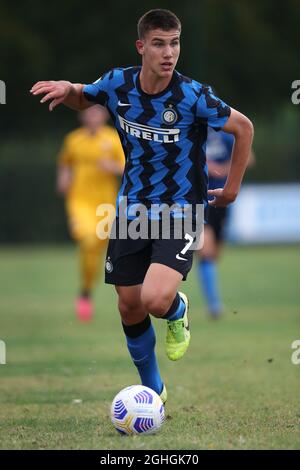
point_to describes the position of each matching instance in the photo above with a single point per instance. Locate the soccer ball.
(137, 410)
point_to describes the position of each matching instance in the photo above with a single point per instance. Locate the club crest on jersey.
(169, 116)
(108, 265)
(141, 131)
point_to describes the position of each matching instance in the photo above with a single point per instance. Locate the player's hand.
(221, 197)
(56, 91)
(63, 180)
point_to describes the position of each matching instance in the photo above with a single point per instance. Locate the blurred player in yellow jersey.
(88, 165)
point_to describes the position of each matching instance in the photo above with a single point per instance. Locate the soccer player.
(88, 163)
(218, 153)
(162, 118)
(219, 148)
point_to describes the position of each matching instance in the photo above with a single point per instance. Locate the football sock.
(141, 344)
(176, 310)
(89, 262)
(208, 277)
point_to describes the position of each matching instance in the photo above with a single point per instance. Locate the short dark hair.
(157, 19)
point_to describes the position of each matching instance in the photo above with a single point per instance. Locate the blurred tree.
(247, 50)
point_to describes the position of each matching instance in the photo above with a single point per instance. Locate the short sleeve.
(211, 109)
(98, 91)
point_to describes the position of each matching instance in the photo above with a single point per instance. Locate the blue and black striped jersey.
(163, 135)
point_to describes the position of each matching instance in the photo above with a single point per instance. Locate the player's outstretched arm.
(242, 129)
(61, 91)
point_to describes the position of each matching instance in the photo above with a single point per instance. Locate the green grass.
(236, 388)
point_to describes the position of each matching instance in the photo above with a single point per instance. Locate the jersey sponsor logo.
(164, 136)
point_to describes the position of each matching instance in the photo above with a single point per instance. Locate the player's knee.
(130, 310)
(156, 303)
(125, 307)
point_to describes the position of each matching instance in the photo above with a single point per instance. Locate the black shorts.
(128, 260)
(216, 219)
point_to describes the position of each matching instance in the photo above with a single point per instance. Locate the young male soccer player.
(88, 163)
(162, 118)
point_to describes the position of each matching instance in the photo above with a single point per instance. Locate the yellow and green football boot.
(164, 395)
(178, 334)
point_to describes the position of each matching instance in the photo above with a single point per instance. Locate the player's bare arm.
(110, 166)
(63, 179)
(242, 129)
(61, 91)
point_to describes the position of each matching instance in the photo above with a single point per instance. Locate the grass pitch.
(236, 388)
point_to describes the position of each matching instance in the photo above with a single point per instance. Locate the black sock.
(133, 331)
(174, 307)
